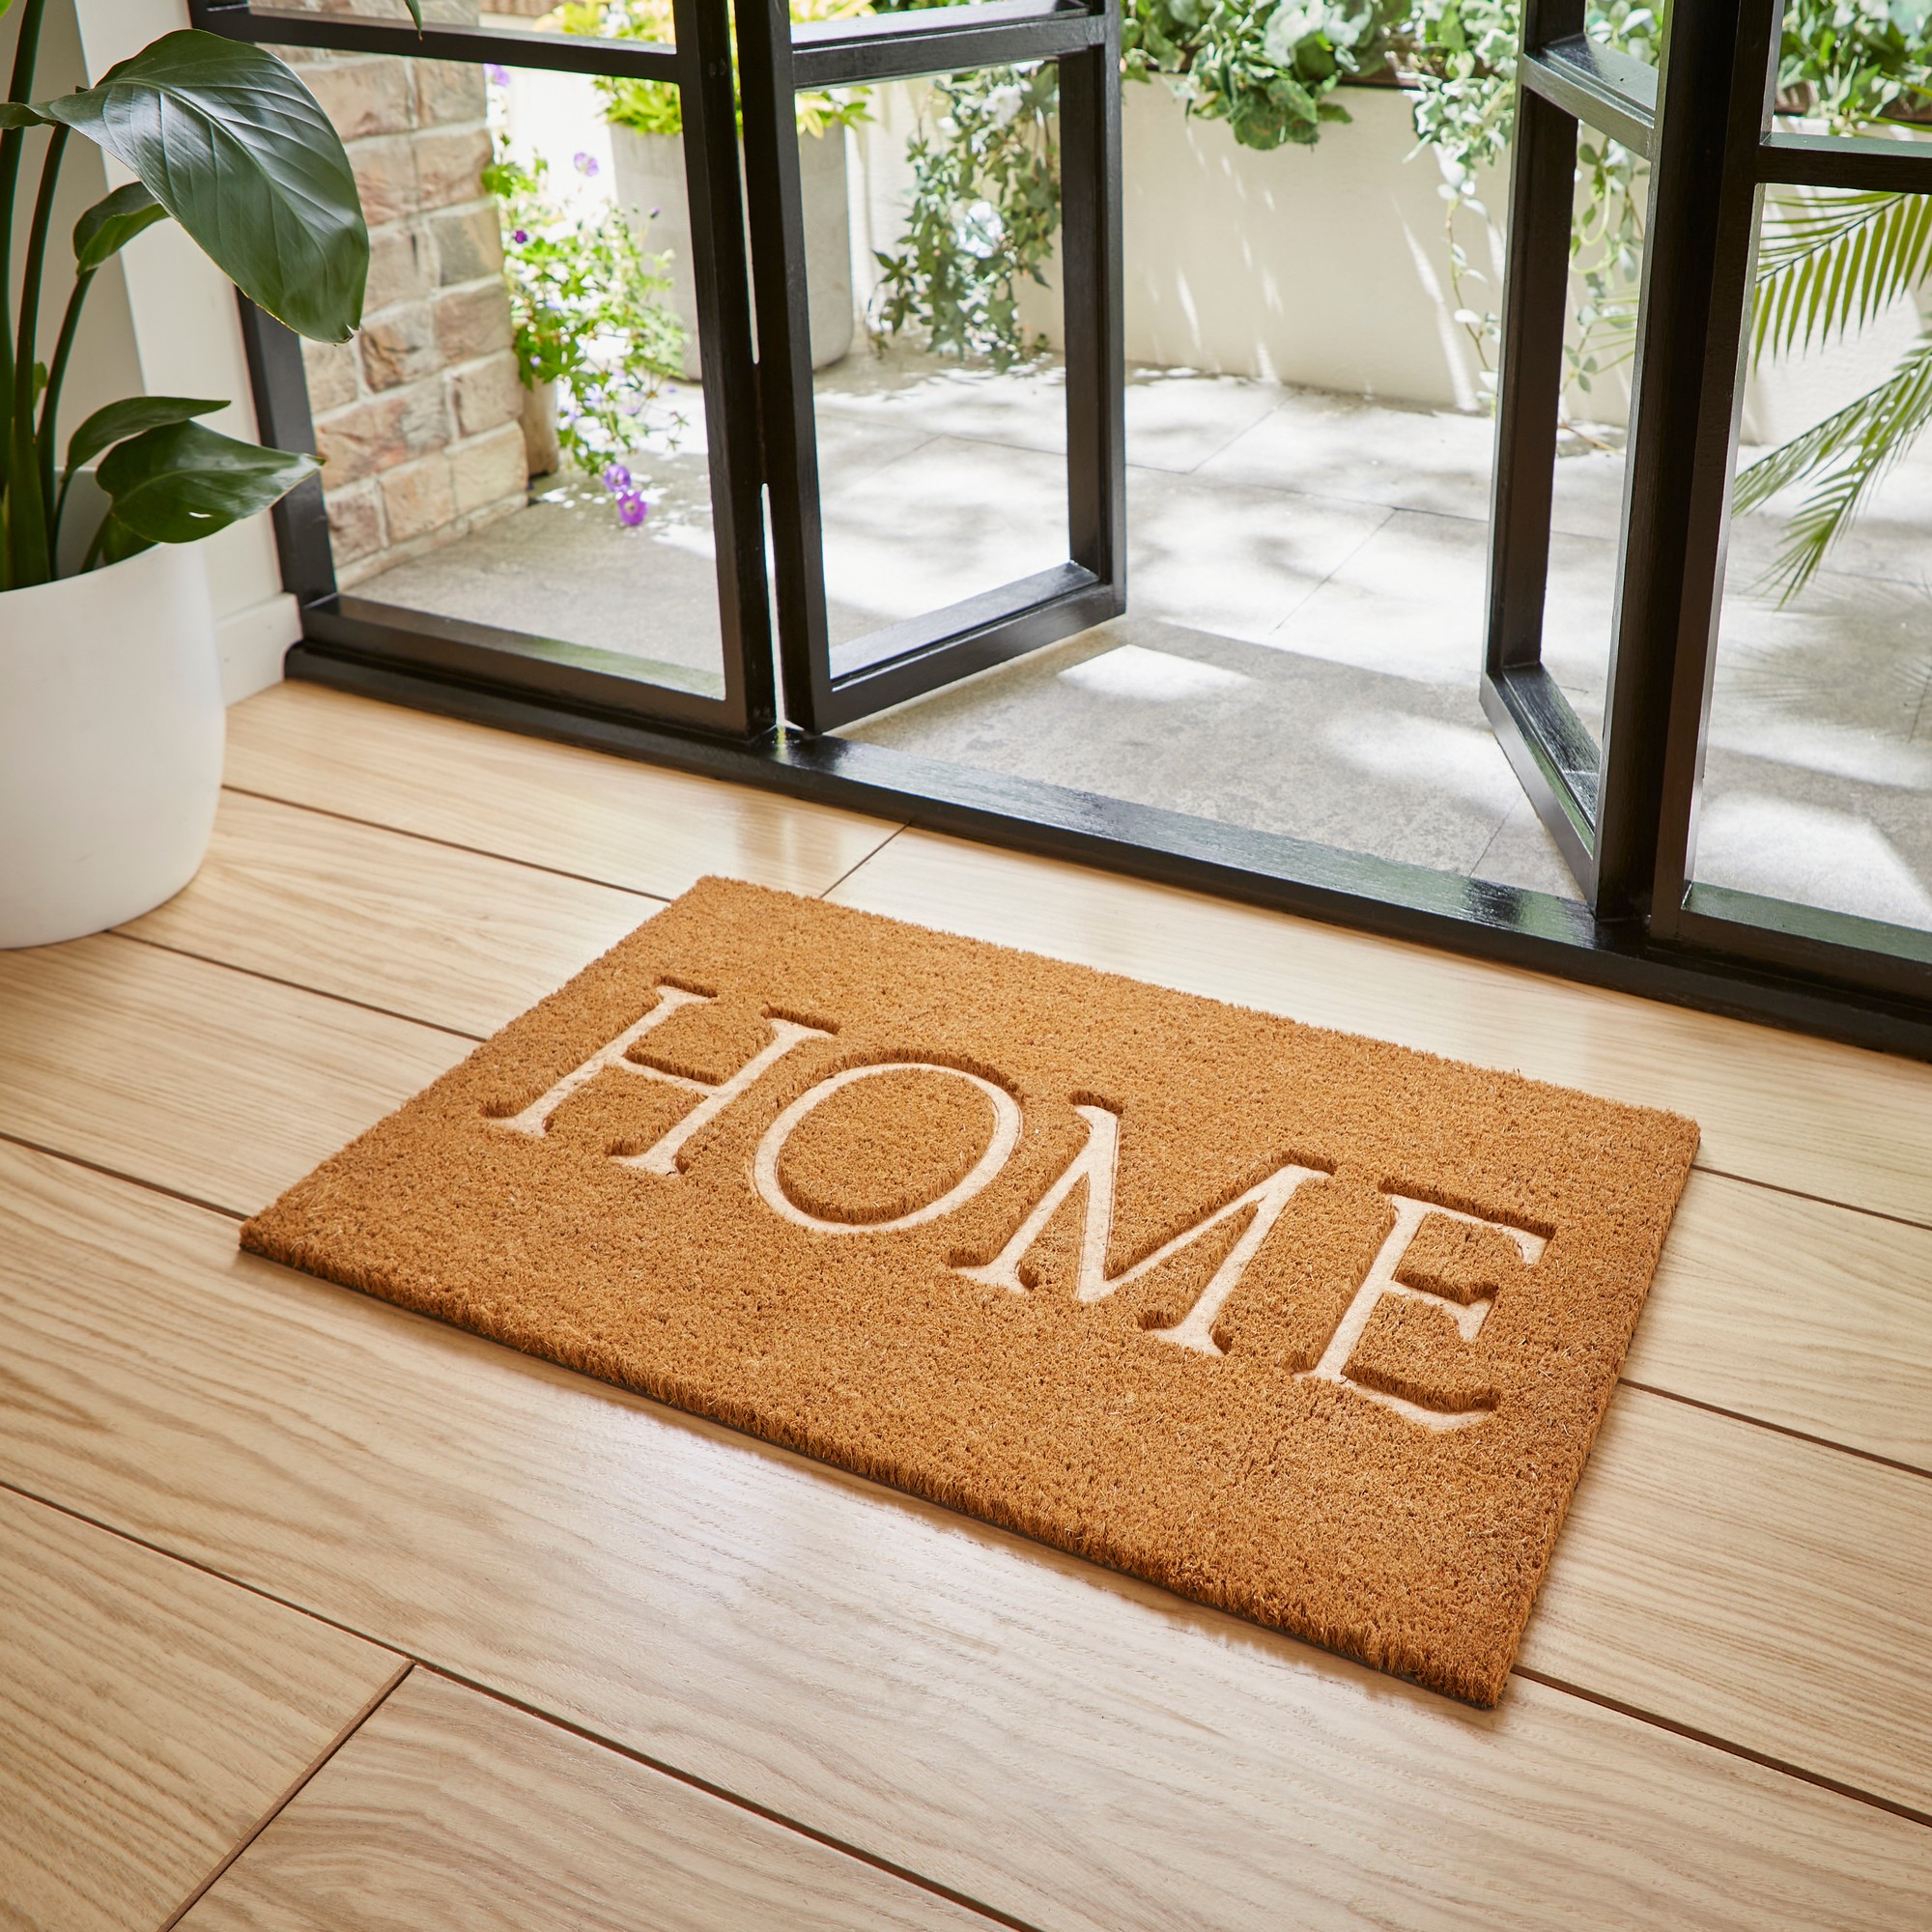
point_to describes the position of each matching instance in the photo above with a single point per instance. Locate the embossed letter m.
(1096, 1165)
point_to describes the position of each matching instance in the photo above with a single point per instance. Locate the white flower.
(1003, 102)
(977, 230)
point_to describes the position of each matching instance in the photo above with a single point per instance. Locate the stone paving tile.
(1175, 418)
(1250, 735)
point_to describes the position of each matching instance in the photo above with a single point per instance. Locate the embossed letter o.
(998, 1149)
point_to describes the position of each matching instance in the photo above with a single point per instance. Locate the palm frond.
(1844, 457)
(1831, 263)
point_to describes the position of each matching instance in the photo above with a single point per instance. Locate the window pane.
(938, 392)
(523, 452)
(1818, 769)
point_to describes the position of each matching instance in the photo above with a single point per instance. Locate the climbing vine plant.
(983, 213)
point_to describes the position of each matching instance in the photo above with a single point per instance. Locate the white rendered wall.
(185, 334)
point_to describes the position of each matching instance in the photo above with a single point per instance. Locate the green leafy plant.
(586, 304)
(223, 138)
(1828, 265)
(1268, 67)
(984, 210)
(652, 107)
(1461, 58)
(1853, 63)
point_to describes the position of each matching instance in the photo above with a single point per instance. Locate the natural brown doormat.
(1307, 1327)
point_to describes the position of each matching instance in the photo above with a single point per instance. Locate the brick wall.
(417, 419)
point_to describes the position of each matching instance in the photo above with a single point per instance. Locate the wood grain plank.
(150, 1715)
(1804, 1315)
(432, 933)
(219, 1085)
(605, 818)
(1802, 1114)
(1751, 1586)
(450, 1813)
(1807, 1316)
(1073, 1748)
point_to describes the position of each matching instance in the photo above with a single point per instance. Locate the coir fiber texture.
(1309, 1327)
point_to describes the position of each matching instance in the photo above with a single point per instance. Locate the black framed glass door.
(746, 227)
(1624, 804)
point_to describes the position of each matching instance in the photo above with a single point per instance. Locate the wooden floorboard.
(1735, 1617)
(448, 1812)
(1799, 1313)
(1802, 1114)
(150, 1715)
(219, 1085)
(425, 931)
(1069, 1747)
(1753, 1587)
(577, 812)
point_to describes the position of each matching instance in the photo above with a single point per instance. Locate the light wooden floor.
(315, 1614)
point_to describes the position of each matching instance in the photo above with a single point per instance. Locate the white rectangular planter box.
(648, 174)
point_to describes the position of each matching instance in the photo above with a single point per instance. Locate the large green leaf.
(184, 481)
(111, 223)
(108, 426)
(238, 150)
(117, 542)
(18, 114)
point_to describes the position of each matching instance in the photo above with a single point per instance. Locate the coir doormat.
(1307, 1327)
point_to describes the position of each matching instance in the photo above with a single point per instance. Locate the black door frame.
(826, 686)
(1626, 821)
(1626, 816)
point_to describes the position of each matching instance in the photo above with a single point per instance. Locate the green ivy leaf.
(183, 481)
(240, 153)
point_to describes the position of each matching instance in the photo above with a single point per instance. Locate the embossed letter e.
(1096, 1164)
(661, 1156)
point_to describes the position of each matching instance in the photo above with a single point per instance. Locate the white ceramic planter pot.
(110, 744)
(648, 171)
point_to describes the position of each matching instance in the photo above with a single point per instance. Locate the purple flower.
(519, 235)
(617, 478)
(585, 164)
(631, 509)
(496, 75)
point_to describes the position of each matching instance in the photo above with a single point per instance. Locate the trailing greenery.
(1827, 264)
(1268, 67)
(985, 201)
(586, 304)
(1856, 62)
(1461, 58)
(223, 138)
(983, 213)
(652, 108)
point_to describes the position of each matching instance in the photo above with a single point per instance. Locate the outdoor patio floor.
(1306, 594)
